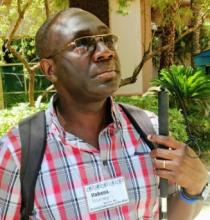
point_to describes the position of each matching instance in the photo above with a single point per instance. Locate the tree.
(16, 16)
(197, 7)
(19, 16)
(168, 32)
(196, 34)
(176, 17)
(172, 21)
(182, 24)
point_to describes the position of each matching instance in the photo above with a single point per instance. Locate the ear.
(48, 68)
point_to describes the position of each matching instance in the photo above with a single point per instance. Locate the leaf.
(187, 85)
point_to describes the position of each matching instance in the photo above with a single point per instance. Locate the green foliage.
(1, 52)
(182, 15)
(10, 117)
(145, 102)
(176, 125)
(28, 48)
(162, 4)
(190, 88)
(12, 100)
(30, 19)
(182, 18)
(123, 6)
(33, 18)
(186, 85)
(59, 4)
(205, 36)
(176, 121)
(24, 46)
(183, 49)
(204, 4)
(201, 130)
(199, 124)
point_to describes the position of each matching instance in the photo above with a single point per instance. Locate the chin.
(106, 92)
(105, 89)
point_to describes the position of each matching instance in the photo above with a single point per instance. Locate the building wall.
(131, 31)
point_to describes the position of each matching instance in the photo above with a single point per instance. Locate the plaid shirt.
(69, 164)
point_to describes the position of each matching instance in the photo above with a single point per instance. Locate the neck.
(84, 120)
(71, 108)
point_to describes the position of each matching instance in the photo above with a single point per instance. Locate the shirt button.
(105, 163)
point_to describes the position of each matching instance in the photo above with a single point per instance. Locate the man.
(92, 148)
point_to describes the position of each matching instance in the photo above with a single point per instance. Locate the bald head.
(47, 38)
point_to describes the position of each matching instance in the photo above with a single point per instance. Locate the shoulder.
(137, 109)
(154, 119)
(10, 148)
(134, 110)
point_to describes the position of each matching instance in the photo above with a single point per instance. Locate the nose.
(102, 52)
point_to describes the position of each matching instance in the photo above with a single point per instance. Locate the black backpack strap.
(33, 141)
(140, 121)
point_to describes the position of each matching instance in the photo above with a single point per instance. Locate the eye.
(85, 43)
(110, 41)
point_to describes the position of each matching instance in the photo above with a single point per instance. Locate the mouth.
(107, 75)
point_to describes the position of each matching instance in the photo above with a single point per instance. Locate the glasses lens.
(110, 41)
(85, 44)
(88, 43)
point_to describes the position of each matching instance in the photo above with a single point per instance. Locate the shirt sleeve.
(10, 196)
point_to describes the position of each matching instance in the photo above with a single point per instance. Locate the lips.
(107, 74)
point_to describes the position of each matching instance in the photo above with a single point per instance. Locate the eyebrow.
(81, 33)
(86, 32)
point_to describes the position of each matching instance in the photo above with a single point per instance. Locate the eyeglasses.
(88, 44)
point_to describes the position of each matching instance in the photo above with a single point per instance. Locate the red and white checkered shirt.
(69, 164)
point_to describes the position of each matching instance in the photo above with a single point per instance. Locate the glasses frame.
(74, 43)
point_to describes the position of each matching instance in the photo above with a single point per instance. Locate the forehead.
(69, 27)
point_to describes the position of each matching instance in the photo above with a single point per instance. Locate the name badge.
(106, 194)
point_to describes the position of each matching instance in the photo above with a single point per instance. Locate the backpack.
(33, 133)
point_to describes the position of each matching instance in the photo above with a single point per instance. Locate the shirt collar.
(54, 124)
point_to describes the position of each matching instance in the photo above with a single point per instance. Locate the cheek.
(74, 68)
(117, 62)
(74, 77)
